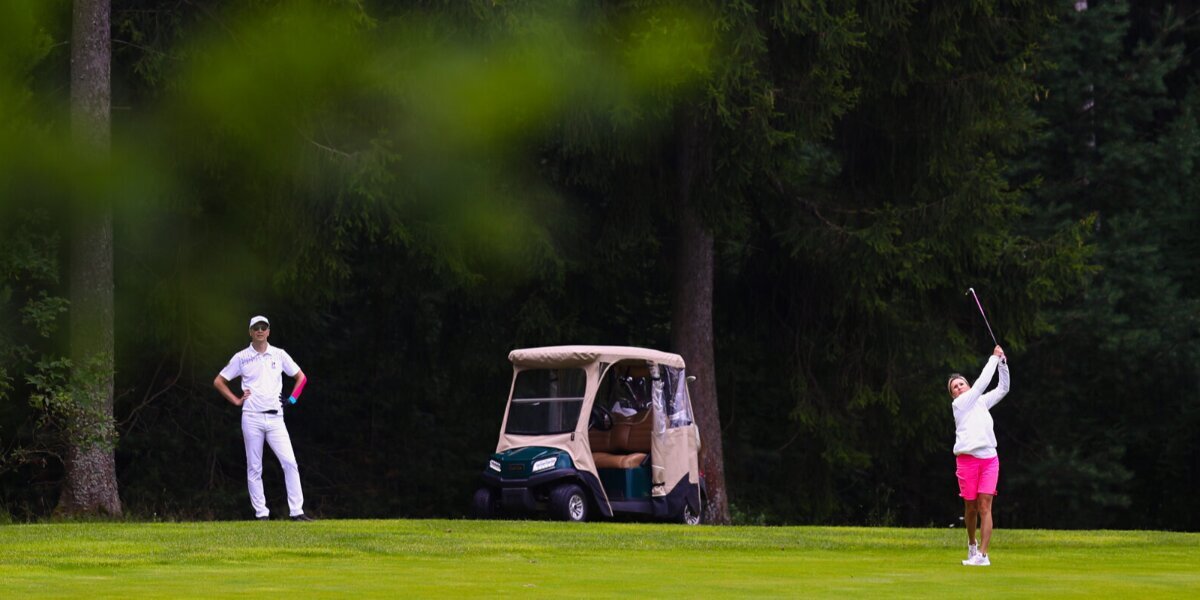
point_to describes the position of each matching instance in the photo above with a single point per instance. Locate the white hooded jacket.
(973, 426)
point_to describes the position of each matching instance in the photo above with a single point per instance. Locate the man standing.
(261, 367)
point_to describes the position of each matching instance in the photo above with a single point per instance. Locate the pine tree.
(1115, 384)
(856, 275)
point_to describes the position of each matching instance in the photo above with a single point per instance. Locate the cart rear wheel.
(568, 503)
(691, 516)
(485, 504)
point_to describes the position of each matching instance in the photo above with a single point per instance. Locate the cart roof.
(569, 356)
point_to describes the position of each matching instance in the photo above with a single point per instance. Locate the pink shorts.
(977, 475)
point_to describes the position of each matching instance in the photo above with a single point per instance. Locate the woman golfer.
(975, 451)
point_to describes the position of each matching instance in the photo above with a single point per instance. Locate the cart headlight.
(544, 464)
(494, 465)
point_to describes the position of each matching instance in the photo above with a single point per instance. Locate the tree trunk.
(90, 483)
(692, 318)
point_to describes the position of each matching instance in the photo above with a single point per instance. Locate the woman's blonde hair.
(954, 376)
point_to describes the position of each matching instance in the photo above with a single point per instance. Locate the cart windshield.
(546, 401)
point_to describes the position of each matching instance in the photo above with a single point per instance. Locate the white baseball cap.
(258, 318)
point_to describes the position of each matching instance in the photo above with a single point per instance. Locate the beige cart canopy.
(675, 440)
(574, 356)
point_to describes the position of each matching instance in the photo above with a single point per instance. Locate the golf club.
(971, 291)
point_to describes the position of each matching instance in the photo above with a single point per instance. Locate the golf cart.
(595, 431)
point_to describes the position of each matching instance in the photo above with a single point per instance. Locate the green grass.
(542, 559)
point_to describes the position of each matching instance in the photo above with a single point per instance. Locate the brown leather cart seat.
(626, 445)
(599, 440)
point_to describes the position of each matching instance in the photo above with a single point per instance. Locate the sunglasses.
(260, 327)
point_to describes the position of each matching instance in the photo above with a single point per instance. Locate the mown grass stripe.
(438, 558)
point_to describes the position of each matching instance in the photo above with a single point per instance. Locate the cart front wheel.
(485, 504)
(568, 503)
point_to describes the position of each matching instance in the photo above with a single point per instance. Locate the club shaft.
(985, 319)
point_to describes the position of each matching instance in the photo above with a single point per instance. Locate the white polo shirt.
(261, 373)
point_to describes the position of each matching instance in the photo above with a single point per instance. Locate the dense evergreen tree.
(1108, 435)
(856, 276)
(661, 202)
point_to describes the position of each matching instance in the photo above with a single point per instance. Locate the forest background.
(793, 195)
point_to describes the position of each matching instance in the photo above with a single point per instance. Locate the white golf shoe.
(979, 560)
(972, 552)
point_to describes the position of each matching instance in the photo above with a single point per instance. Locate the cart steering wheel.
(600, 418)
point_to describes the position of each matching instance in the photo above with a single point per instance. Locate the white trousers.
(257, 427)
